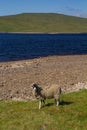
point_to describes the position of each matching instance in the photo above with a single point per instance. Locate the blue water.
(26, 46)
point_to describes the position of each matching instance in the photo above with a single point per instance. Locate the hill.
(42, 22)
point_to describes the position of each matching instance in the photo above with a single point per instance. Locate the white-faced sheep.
(42, 94)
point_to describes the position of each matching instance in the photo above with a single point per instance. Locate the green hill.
(42, 22)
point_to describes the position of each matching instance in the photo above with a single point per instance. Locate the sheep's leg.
(57, 103)
(40, 103)
(43, 101)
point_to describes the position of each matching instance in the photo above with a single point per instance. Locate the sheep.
(43, 94)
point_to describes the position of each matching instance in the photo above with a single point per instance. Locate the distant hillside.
(42, 22)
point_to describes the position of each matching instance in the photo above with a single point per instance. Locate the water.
(15, 46)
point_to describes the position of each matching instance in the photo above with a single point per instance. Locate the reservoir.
(23, 46)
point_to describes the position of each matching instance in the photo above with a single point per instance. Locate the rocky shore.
(16, 77)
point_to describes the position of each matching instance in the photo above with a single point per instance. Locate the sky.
(68, 7)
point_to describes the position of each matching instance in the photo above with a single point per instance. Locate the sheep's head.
(35, 86)
(36, 89)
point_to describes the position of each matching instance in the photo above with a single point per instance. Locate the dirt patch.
(16, 77)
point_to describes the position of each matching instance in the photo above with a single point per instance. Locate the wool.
(42, 93)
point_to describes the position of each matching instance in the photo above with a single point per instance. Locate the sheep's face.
(35, 90)
(35, 87)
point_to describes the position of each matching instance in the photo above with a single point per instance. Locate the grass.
(70, 115)
(42, 22)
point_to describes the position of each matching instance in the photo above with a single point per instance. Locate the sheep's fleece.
(40, 93)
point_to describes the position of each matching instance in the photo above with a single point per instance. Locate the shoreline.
(70, 72)
(43, 32)
(40, 58)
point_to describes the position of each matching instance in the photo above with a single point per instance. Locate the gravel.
(16, 77)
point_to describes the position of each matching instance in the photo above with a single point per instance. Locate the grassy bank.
(70, 115)
(42, 22)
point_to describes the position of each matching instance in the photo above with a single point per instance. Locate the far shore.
(45, 32)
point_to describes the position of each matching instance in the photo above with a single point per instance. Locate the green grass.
(70, 115)
(42, 22)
